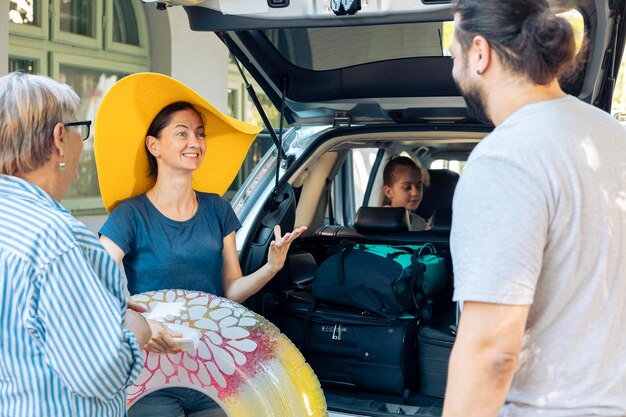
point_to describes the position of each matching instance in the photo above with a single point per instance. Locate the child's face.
(406, 191)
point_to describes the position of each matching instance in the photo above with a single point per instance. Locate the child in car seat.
(403, 184)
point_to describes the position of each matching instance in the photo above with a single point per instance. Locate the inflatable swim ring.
(242, 362)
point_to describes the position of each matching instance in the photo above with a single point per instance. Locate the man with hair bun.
(539, 227)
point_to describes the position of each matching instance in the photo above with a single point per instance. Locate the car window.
(452, 165)
(262, 143)
(350, 185)
(322, 49)
(578, 24)
(329, 48)
(362, 162)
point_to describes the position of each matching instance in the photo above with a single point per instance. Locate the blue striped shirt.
(63, 351)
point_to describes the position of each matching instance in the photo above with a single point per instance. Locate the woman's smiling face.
(181, 143)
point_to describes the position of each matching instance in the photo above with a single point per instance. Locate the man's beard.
(474, 100)
(476, 105)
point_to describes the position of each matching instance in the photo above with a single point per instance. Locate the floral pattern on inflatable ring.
(242, 361)
(228, 343)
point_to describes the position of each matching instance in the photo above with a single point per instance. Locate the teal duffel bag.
(383, 279)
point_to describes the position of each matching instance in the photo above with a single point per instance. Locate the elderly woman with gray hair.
(68, 343)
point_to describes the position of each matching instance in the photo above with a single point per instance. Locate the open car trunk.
(358, 374)
(372, 79)
(386, 63)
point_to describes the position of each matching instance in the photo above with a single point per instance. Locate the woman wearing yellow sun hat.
(164, 157)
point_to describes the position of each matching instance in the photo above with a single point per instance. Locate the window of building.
(28, 17)
(90, 84)
(125, 28)
(23, 13)
(21, 64)
(78, 17)
(88, 44)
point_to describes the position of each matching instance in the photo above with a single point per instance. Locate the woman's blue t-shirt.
(161, 253)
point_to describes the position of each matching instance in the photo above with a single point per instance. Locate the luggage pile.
(369, 320)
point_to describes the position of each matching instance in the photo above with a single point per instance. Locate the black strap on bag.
(417, 286)
(341, 270)
(417, 280)
(306, 328)
(420, 300)
(417, 276)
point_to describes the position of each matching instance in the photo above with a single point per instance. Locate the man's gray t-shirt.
(540, 219)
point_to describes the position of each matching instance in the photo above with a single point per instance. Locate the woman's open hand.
(280, 246)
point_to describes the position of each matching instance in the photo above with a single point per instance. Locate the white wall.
(199, 59)
(4, 37)
(160, 39)
(94, 223)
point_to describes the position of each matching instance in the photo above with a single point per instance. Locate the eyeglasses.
(84, 127)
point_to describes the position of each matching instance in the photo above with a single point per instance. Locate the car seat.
(439, 193)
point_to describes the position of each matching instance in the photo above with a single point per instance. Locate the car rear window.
(329, 48)
(321, 49)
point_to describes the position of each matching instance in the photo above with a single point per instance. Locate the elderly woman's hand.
(135, 306)
(280, 246)
(162, 340)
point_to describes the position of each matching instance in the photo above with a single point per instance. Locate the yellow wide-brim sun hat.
(121, 126)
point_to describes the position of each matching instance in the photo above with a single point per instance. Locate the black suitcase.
(350, 349)
(435, 345)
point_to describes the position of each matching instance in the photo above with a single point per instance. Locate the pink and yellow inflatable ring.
(242, 361)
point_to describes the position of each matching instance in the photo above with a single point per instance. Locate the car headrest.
(381, 220)
(439, 193)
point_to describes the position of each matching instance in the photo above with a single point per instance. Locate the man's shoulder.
(541, 131)
(558, 116)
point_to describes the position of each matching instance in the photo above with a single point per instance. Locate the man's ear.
(481, 53)
(58, 137)
(152, 145)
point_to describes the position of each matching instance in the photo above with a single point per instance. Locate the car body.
(358, 88)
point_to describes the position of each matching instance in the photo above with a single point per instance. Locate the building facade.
(90, 44)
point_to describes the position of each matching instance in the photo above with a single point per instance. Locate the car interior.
(372, 92)
(337, 193)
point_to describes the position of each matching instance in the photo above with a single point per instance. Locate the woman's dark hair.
(390, 171)
(528, 38)
(162, 119)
